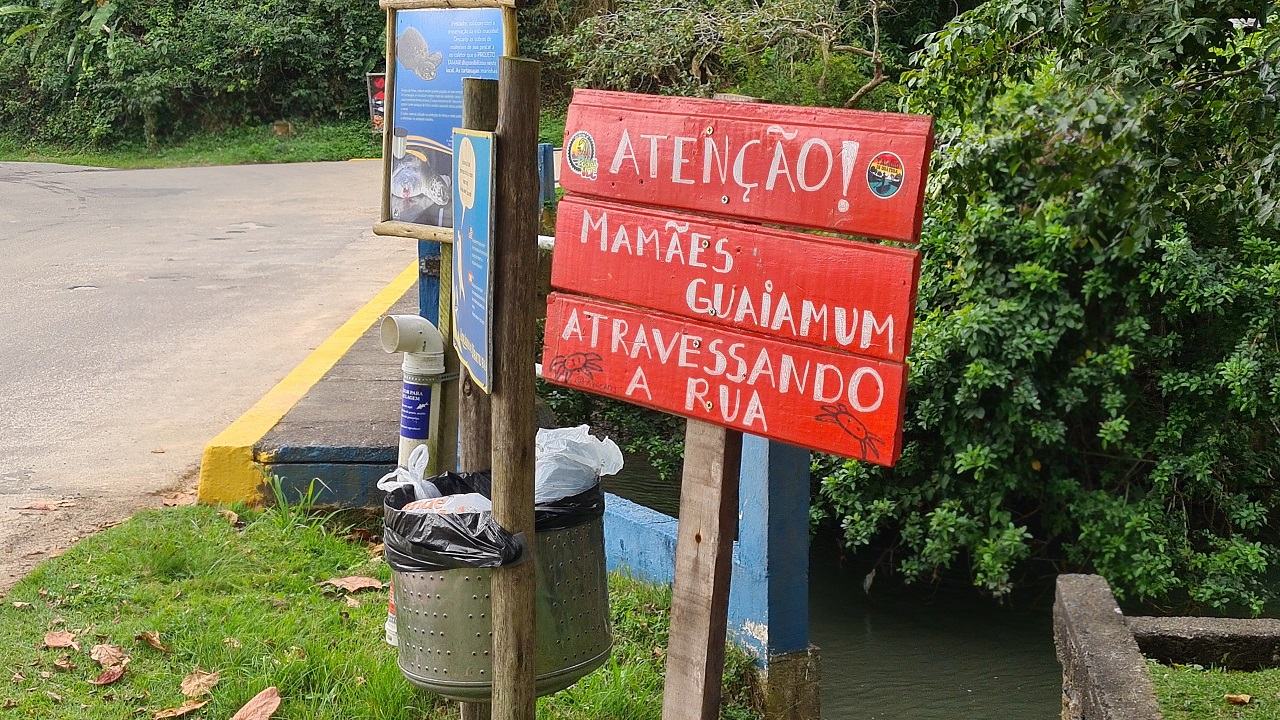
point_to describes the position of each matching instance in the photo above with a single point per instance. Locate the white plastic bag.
(570, 461)
(460, 503)
(423, 489)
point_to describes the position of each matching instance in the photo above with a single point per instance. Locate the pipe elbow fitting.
(418, 339)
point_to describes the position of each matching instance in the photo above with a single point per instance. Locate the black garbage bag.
(427, 542)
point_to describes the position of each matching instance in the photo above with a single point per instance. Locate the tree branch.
(877, 62)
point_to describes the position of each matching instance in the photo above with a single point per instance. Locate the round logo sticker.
(885, 175)
(581, 154)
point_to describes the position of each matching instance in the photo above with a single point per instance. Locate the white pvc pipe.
(423, 369)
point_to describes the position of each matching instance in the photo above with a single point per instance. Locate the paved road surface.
(141, 311)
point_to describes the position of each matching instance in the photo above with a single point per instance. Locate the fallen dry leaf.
(376, 550)
(64, 662)
(178, 499)
(158, 451)
(22, 605)
(152, 638)
(198, 683)
(352, 602)
(53, 696)
(354, 583)
(9, 703)
(232, 643)
(45, 674)
(362, 535)
(60, 639)
(44, 505)
(261, 707)
(109, 675)
(230, 516)
(1237, 699)
(109, 656)
(185, 708)
(19, 677)
(360, 681)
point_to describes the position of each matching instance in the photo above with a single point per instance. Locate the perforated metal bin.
(444, 619)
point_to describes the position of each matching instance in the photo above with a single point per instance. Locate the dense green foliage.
(807, 52)
(88, 72)
(1096, 360)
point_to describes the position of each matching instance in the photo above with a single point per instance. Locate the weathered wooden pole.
(464, 403)
(515, 261)
(704, 566)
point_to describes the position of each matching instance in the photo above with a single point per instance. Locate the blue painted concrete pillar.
(429, 280)
(769, 599)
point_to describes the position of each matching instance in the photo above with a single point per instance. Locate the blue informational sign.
(415, 411)
(435, 50)
(472, 235)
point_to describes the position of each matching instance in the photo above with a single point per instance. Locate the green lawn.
(247, 603)
(1189, 692)
(237, 146)
(260, 144)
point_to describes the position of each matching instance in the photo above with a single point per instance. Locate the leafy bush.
(1096, 363)
(91, 72)
(812, 52)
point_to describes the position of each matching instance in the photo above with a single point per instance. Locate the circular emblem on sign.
(885, 174)
(581, 154)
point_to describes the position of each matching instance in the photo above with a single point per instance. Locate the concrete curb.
(228, 472)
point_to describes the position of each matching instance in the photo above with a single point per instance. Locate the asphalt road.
(141, 311)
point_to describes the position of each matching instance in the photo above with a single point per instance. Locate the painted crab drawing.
(840, 415)
(566, 368)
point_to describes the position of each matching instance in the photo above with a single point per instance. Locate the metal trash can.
(444, 618)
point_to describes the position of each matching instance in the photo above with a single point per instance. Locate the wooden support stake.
(515, 262)
(465, 403)
(704, 566)
(388, 115)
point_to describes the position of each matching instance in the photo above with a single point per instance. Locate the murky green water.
(901, 654)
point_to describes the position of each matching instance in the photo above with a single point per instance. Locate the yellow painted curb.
(227, 471)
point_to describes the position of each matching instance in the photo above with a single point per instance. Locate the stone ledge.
(1104, 676)
(1219, 642)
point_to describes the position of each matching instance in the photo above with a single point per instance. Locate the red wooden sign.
(855, 297)
(861, 173)
(816, 398)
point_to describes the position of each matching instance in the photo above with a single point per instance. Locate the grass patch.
(247, 603)
(1190, 692)
(234, 146)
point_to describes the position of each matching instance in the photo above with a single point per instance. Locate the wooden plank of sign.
(812, 397)
(850, 296)
(437, 4)
(395, 228)
(855, 172)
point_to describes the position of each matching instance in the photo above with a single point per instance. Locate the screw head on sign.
(724, 199)
(706, 244)
(698, 343)
(709, 405)
(712, 313)
(710, 130)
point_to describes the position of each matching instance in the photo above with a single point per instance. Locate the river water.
(899, 653)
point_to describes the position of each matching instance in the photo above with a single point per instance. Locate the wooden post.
(704, 566)
(388, 114)
(470, 412)
(515, 261)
